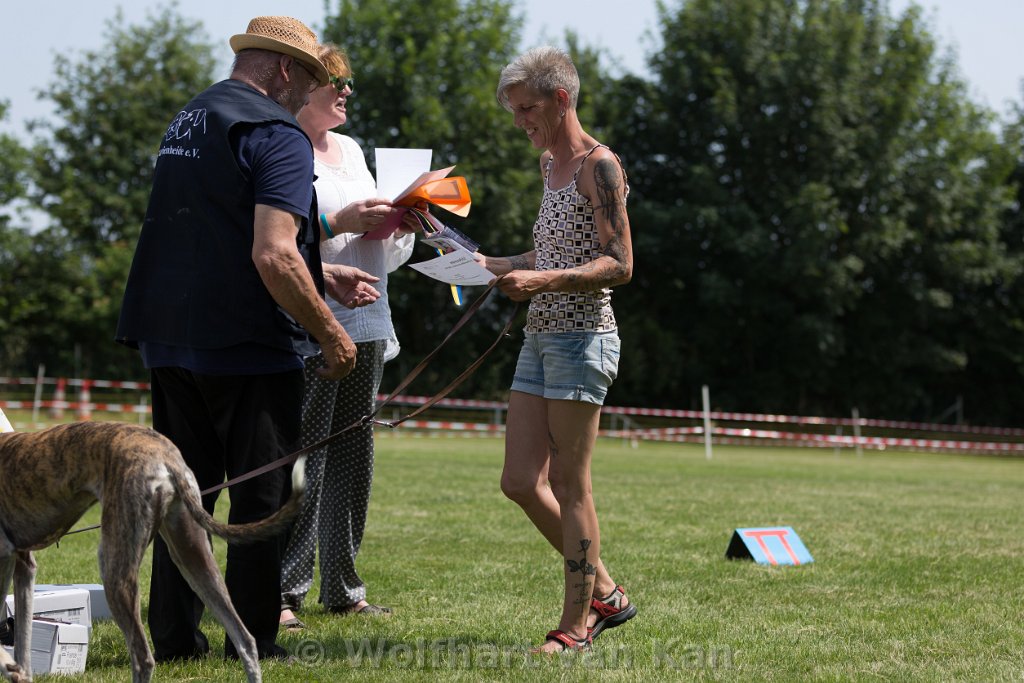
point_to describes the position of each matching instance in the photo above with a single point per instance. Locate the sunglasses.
(341, 83)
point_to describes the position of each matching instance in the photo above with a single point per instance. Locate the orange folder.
(435, 187)
(451, 194)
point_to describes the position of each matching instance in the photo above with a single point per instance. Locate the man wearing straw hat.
(225, 284)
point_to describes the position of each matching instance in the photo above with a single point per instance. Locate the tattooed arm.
(500, 265)
(601, 181)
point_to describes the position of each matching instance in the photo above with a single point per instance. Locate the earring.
(562, 113)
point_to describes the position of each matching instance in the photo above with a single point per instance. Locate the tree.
(995, 355)
(816, 200)
(13, 247)
(93, 170)
(425, 77)
(13, 163)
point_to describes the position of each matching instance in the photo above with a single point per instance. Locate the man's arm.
(286, 278)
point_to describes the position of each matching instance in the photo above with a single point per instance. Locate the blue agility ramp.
(772, 545)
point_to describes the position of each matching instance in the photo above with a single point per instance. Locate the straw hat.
(285, 35)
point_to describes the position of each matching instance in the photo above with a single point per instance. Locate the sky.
(985, 33)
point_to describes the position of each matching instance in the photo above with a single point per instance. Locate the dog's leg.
(24, 582)
(8, 667)
(190, 549)
(120, 571)
(6, 568)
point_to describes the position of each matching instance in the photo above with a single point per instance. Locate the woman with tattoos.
(570, 354)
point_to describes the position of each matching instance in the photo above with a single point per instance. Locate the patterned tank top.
(565, 236)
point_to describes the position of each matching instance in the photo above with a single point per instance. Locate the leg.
(190, 549)
(554, 408)
(126, 531)
(524, 478)
(24, 582)
(8, 666)
(348, 477)
(174, 609)
(572, 432)
(256, 418)
(298, 563)
(299, 556)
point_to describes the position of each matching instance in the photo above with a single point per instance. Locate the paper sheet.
(456, 268)
(397, 169)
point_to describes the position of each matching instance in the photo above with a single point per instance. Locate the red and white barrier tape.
(82, 406)
(455, 426)
(730, 435)
(101, 383)
(86, 384)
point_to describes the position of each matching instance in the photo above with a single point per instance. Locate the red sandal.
(568, 643)
(610, 611)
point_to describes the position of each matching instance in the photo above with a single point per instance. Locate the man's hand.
(339, 356)
(350, 286)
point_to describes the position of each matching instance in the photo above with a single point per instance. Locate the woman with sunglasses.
(339, 475)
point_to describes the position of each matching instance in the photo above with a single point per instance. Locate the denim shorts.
(570, 366)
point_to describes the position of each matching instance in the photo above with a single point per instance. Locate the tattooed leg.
(535, 428)
(573, 430)
(583, 584)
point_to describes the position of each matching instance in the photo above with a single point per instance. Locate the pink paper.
(388, 227)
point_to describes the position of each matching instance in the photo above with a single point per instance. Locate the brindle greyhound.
(48, 479)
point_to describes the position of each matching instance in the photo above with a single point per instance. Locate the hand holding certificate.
(456, 265)
(404, 175)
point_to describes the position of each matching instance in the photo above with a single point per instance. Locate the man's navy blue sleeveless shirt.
(193, 283)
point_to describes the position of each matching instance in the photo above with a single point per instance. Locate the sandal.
(293, 624)
(568, 643)
(610, 611)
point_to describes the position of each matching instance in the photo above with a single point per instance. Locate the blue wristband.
(326, 227)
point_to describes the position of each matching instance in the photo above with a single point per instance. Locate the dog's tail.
(250, 532)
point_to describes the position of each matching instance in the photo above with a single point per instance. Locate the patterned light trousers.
(338, 479)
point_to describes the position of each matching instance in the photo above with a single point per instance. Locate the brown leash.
(370, 418)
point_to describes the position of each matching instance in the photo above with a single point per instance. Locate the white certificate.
(456, 268)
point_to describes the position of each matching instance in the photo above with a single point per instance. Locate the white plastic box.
(70, 605)
(98, 608)
(57, 648)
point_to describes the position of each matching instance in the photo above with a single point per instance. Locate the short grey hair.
(257, 65)
(544, 69)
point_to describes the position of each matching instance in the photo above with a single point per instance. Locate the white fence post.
(856, 431)
(40, 373)
(706, 396)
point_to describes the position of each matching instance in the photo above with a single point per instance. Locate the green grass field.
(918, 563)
